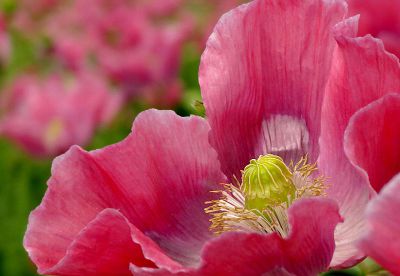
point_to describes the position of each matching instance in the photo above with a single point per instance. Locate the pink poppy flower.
(123, 39)
(381, 19)
(47, 116)
(377, 153)
(279, 82)
(140, 54)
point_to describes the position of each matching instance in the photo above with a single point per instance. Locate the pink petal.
(381, 240)
(266, 60)
(380, 19)
(77, 192)
(306, 251)
(391, 41)
(372, 139)
(158, 178)
(362, 72)
(106, 246)
(166, 170)
(66, 210)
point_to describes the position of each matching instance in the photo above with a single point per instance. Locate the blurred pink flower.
(377, 154)
(123, 39)
(160, 8)
(274, 79)
(28, 14)
(47, 116)
(380, 19)
(5, 50)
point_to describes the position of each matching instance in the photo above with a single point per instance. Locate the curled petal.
(70, 226)
(380, 19)
(106, 246)
(165, 171)
(381, 240)
(372, 139)
(361, 73)
(306, 251)
(75, 195)
(265, 68)
(157, 178)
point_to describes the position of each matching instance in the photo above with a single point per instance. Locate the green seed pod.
(267, 180)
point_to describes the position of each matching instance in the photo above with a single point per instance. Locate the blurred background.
(78, 72)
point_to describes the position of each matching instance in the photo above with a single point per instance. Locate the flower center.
(260, 202)
(266, 181)
(53, 132)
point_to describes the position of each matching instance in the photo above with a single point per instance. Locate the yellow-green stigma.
(268, 188)
(267, 180)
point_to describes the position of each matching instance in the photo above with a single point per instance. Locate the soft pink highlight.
(47, 116)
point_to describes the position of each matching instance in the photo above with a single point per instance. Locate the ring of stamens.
(231, 211)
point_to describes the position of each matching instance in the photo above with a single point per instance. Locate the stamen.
(308, 186)
(260, 202)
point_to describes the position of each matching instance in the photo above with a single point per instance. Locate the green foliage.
(22, 186)
(8, 6)
(191, 99)
(366, 268)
